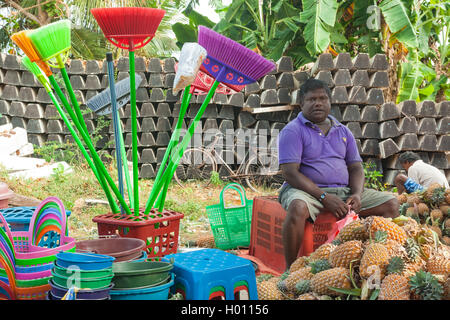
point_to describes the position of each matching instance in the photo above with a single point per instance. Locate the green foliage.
(373, 178)
(303, 286)
(426, 286)
(320, 265)
(395, 265)
(215, 179)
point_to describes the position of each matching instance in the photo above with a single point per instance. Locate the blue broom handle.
(112, 88)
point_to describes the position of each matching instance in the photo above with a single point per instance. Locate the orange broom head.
(128, 28)
(22, 40)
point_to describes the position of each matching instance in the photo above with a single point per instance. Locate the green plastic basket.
(231, 225)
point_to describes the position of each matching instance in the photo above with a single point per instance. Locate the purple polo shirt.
(323, 159)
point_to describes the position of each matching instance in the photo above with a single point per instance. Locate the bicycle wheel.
(262, 172)
(196, 164)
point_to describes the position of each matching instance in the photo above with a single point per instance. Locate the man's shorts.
(370, 198)
(412, 186)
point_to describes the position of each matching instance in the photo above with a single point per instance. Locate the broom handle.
(100, 176)
(134, 133)
(97, 160)
(73, 98)
(125, 164)
(187, 95)
(172, 166)
(175, 136)
(112, 89)
(82, 148)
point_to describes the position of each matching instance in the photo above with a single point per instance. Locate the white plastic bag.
(191, 58)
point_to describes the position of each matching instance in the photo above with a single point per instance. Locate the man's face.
(406, 165)
(316, 105)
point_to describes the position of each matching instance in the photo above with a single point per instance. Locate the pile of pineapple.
(371, 258)
(430, 207)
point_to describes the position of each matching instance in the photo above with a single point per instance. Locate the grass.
(74, 188)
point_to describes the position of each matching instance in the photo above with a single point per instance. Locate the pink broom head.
(128, 28)
(243, 65)
(204, 81)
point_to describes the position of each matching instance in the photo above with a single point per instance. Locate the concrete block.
(379, 62)
(443, 108)
(55, 126)
(226, 112)
(269, 97)
(342, 77)
(147, 139)
(388, 148)
(408, 107)
(27, 94)
(17, 109)
(268, 82)
(76, 66)
(157, 95)
(325, 76)
(93, 67)
(37, 126)
(408, 125)
(286, 80)
(4, 107)
(428, 142)
(375, 96)
(408, 142)
(339, 95)
(369, 114)
(252, 88)
(323, 62)
(379, 79)
(427, 126)
(253, 101)
(12, 77)
(358, 95)
(147, 110)
(389, 129)
(169, 65)
(426, 108)
(93, 82)
(351, 113)
(360, 78)
(10, 92)
(284, 95)
(19, 122)
(370, 147)
(163, 124)
(285, 64)
(355, 128)
(439, 160)
(343, 61)
(156, 80)
(236, 99)
(163, 110)
(11, 62)
(370, 130)
(219, 98)
(154, 66)
(443, 143)
(147, 171)
(443, 125)
(388, 111)
(361, 61)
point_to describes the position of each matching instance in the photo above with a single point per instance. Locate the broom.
(25, 43)
(228, 62)
(130, 28)
(101, 105)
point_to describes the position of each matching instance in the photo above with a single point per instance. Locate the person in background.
(323, 170)
(420, 174)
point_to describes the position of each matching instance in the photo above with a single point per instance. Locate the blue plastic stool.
(204, 274)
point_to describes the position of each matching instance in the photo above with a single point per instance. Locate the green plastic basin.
(86, 283)
(84, 274)
(130, 275)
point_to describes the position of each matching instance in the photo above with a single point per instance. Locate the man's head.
(315, 99)
(407, 159)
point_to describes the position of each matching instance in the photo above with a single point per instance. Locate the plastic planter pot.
(84, 261)
(123, 249)
(160, 292)
(129, 275)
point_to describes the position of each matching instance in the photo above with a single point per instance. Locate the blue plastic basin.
(85, 261)
(153, 293)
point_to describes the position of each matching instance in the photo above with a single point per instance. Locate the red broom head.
(233, 54)
(128, 28)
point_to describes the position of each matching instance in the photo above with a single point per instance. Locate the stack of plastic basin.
(148, 280)
(123, 249)
(90, 274)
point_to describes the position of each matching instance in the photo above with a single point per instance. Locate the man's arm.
(356, 185)
(297, 180)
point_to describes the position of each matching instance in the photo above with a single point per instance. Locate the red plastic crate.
(158, 230)
(266, 242)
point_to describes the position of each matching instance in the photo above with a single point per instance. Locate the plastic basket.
(158, 230)
(231, 225)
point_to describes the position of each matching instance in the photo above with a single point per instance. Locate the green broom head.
(34, 69)
(53, 42)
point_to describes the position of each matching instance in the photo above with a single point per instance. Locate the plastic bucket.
(129, 275)
(84, 274)
(84, 294)
(160, 292)
(84, 261)
(123, 249)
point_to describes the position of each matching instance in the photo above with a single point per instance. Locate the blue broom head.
(243, 66)
(101, 103)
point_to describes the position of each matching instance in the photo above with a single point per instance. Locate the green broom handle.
(134, 133)
(83, 149)
(175, 136)
(125, 164)
(73, 98)
(172, 166)
(97, 160)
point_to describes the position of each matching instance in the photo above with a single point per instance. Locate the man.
(322, 168)
(420, 174)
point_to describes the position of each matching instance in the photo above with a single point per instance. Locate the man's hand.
(334, 204)
(354, 201)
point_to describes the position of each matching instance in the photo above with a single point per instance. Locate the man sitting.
(420, 174)
(322, 168)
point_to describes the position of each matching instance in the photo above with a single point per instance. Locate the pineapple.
(353, 231)
(394, 231)
(303, 286)
(395, 249)
(293, 278)
(411, 228)
(394, 287)
(297, 264)
(436, 215)
(306, 296)
(425, 286)
(319, 265)
(335, 277)
(413, 198)
(375, 255)
(345, 253)
(447, 196)
(322, 252)
(268, 290)
(206, 241)
(435, 194)
(411, 268)
(402, 198)
(264, 277)
(439, 265)
(445, 208)
(446, 286)
(423, 209)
